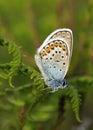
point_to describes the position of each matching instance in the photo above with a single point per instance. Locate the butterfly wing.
(54, 55)
(64, 33)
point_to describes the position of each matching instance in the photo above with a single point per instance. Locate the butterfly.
(53, 58)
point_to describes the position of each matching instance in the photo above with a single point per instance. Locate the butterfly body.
(53, 58)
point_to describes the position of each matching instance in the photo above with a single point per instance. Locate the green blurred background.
(28, 23)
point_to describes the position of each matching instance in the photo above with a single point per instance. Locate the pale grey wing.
(39, 64)
(68, 36)
(64, 33)
(56, 61)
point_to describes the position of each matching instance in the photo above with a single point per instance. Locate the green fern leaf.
(12, 67)
(75, 99)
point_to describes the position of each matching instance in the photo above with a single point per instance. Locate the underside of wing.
(64, 33)
(55, 58)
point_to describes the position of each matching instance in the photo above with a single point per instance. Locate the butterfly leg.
(54, 90)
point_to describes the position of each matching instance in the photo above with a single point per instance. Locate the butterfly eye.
(64, 83)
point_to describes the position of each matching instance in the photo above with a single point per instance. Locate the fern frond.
(75, 98)
(82, 82)
(12, 67)
(37, 85)
(4, 69)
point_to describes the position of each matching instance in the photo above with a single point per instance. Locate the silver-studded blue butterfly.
(53, 58)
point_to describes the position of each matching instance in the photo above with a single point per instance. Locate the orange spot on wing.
(56, 44)
(42, 54)
(48, 49)
(52, 47)
(64, 48)
(60, 45)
